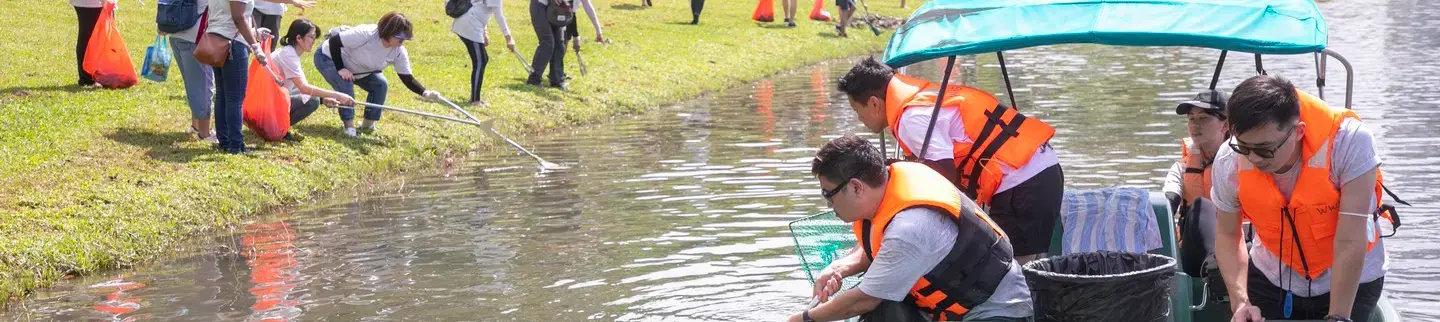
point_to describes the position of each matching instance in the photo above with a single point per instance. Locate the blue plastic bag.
(157, 59)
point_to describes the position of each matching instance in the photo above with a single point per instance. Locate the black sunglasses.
(1263, 153)
(828, 194)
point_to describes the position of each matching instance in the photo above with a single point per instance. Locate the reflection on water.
(680, 214)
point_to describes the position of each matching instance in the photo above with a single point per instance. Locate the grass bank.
(94, 179)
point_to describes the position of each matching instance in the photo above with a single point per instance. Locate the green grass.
(99, 179)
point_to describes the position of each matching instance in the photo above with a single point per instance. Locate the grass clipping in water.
(96, 179)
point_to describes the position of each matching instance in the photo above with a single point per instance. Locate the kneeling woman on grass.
(358, 56)
(304, 98)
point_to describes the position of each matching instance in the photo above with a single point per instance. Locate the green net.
(819, 240)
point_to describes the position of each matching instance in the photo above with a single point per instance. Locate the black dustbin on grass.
(1102, 286)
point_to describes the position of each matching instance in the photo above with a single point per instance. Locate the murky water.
(680, 214)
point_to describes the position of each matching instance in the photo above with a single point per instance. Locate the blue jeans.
(230, 82)
(374, 84)
(199, 78)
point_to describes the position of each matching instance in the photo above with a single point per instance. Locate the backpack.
(175, 16)
(560, 12)
(457, 8)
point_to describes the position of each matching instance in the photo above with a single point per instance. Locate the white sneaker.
(350, 132)
(211, 139)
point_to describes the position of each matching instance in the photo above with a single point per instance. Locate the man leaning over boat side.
(917, 237)
(995, 155)
(1307, 176)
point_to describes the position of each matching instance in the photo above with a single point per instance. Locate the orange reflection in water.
(269, 250)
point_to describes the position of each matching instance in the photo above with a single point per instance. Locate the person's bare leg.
(202, 127)
(844, 21)
(902, 4)
(790, 7)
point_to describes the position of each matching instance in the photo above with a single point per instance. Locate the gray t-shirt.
(1352, 154)
(915, 241)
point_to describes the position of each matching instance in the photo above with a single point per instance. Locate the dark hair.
(299, 28)
(1262, 100)
(849, 156)
(868, 78)
(394, 23)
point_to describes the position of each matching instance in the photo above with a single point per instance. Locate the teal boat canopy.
(943, 28)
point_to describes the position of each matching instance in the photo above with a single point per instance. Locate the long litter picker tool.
(523, 63)
(488, 127)
(870, 18)
(578, 57)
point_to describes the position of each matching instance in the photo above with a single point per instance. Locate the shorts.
(845, 4)
(1028, 212)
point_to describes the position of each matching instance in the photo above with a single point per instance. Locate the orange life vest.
(978, 261)
(1301, 231)
(1193, 185)
(999, 133)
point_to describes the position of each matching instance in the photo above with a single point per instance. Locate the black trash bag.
(1101, 286)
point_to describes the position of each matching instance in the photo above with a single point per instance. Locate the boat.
(947, 29)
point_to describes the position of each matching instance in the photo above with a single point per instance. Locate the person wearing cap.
(358, 56)
(990, 151)
(1187, 185)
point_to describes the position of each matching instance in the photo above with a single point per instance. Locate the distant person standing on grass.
(551, 48)
(847, 10)
(230, 20)
(695, 7)
(267, 14)
(471, 27)
(199, 79)
(87, 13)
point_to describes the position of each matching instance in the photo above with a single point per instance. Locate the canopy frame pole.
(1349, 75)
(1005, 73)
(935, 114)
(1259, 66)
(1214, 80)
(1320, 74)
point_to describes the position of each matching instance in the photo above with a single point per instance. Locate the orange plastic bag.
(106, 58)
(817, 13)
(765, 12)
(266, 109)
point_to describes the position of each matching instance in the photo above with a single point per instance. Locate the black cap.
(1211, 101)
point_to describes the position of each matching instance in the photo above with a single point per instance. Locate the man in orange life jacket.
(1307, 177)
(995, 155)
(1187, 185)
(928, 253)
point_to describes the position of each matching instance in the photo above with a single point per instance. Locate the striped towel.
(1113, 219)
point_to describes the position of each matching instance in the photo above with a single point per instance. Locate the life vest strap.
(1385, 208)
(970, 181)
(974, 267)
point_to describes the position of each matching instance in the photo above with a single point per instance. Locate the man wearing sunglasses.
(1307, 177)
(942, 258)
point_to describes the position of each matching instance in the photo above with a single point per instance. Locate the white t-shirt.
(915, 241)
(87, 3)
(220, 21)
(364, 54)
(287, 60)
(1353, 154)
(270, 8)
(192, 34)
(914, 122)
(471, 26)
